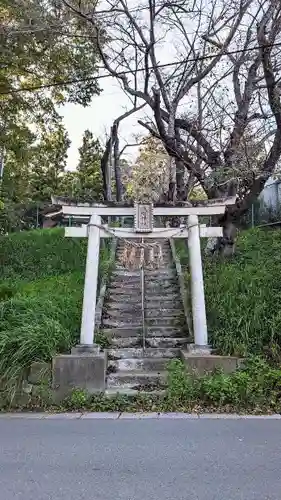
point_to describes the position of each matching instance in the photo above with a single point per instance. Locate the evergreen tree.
(48, 164)
(89, 179)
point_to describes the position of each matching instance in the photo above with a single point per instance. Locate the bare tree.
(112, 155)
(210, 73)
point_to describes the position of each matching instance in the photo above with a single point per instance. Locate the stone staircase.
(137, 362)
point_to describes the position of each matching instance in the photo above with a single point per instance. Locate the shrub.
(79, 399)
(256, 386)
(180, 385)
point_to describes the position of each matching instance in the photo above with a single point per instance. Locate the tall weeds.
(41, 287)
(243, 294)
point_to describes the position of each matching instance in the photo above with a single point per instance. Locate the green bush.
(181, 387)
(256, 386)
(79, 399)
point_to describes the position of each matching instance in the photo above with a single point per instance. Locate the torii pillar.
(197, 285)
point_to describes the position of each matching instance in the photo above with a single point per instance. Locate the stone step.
(123, 316)
(136, 323)
(134, 379)
(124, 391)
(166, 252)
(113, 323)
(149, 284)
(161, 241)
(155, 283)
(150, 292)
(167, 286)
(166, 312)
(150, 332)
(123, 342)
(123, 273)
(163, 284)
(139, 353)
(135, 312)
(140, 364)
(152, 300)
(170, 322)
(122, 306)
(166, 259)
(154, 286)
(164, 267)
(128, 312)
(179, 342)
(158, 266)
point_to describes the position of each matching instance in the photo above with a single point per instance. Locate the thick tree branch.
(271, 84)
(202, 74)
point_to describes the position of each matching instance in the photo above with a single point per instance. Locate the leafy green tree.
(42, 44)
(48, 58)
(14, 192)
(29, 179)
(69, 185)
(89, 184)
(48, 164)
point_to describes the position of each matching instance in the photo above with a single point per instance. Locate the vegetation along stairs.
(137, 362)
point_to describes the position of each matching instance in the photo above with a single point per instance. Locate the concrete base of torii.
(204, 363)
(85, 368)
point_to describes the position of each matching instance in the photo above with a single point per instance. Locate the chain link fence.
(266, 210)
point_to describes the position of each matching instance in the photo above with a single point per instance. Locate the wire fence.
(266, 211)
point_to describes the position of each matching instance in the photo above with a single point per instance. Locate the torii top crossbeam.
(199, 208)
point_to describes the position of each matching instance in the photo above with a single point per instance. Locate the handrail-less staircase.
(137, 357)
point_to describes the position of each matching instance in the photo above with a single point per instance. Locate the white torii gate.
(95, 230)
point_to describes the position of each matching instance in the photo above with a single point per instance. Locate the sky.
(112, 102)
(98, 118)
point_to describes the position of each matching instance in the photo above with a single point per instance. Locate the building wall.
(270, 197)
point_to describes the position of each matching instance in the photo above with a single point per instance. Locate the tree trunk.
(181, 188)
(224, 246)
(104, 168)
(116, 162)
(227, 242)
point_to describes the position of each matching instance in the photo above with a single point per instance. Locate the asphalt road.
(65, 459)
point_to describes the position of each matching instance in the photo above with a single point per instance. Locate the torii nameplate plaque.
(143, 217)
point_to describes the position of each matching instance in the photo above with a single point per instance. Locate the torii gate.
(143, 215)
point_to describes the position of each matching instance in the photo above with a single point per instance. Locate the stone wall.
(35, 386)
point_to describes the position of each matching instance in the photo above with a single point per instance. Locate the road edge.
(134, 416)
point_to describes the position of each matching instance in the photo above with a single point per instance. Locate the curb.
(136, 416)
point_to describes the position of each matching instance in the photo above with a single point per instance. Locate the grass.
(41, 287)
(243, 295)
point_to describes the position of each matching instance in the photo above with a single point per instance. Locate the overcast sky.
(98, 117)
